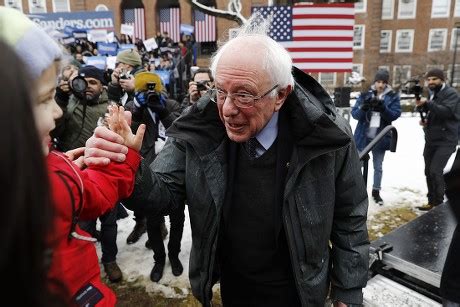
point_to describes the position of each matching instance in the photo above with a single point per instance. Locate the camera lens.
(79, 84)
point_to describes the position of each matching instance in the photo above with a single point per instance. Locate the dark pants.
(154, 222)
(108, 235)
(435, 160)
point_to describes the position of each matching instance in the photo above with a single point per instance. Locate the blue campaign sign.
(126, 46)
(102, 20)
(98, 61)
(164, 75)
(107, 48)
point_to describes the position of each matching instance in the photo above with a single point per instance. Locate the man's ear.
(281, 97)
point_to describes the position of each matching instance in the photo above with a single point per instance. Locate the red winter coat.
(83, 195)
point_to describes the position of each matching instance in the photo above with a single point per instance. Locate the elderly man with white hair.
(272, 179)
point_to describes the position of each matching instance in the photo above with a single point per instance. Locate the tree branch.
(233, 12)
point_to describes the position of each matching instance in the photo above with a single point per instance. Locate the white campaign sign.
(127, 29)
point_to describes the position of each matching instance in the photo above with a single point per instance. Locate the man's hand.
(115, 76)
(104, 146)
(420, 102)
(127, 84)
(76, 156)
(193, 92)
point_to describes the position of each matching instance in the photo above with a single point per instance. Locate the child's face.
(46, 110)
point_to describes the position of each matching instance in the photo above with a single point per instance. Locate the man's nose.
(229, 108)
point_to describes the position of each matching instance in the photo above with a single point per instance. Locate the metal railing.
(364, 154)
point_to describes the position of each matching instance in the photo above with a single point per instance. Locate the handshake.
(372, 104)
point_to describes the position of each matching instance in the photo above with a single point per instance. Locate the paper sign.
(107, 48)
(111, 61)
(97, 35)
(127, 29)
(98, 61)
(150, 44)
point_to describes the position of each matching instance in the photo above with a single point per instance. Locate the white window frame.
(414, 13)
(398, 35)
(452, 39)
(361, 9)
(437, 15)
(334, 79)
(408, 75)
(363, 35)
(359, 69)
(457, 8)
(32, 9)
(430, 38)
(16, 4)
(392, 3)
(54, 6)
(389, 41)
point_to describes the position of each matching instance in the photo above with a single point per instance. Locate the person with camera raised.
(441, 133)
(375, 110)
(201, 82)
(151, 107)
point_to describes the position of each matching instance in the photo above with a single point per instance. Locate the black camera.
(124, 75)
(78, 85)
(371, 102)
(152, 97)
(413, 87)
(202, 85)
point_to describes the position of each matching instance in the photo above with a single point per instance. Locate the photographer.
(150, 106)
(375, 110)
(441, 133)
(201, 82)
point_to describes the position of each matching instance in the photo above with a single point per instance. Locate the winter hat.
(92, 72)
(130, 57)
(382, 75)
(142, 78)
(33, 45)
(436, 72)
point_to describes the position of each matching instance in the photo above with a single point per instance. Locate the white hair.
(276, 60)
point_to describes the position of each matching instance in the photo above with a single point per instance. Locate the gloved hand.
(365, 106)
(379, 106)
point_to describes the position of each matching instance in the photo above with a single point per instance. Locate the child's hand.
(117, 123)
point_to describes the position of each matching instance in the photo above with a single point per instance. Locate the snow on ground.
(403, 185)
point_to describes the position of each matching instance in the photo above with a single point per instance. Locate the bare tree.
(233, 11)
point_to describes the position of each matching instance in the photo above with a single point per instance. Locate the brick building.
(405, 36)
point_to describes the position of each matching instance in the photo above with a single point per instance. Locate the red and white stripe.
(322, 37)
(205, 31)
(139, 24)
(173, 25)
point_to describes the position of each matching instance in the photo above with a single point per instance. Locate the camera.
(413, 87)
(201, 85)
(124, 75)
(78, 85)
(371, 102)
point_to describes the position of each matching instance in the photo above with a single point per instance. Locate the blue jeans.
(377, 161)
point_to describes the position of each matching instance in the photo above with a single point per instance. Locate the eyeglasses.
(241, 100)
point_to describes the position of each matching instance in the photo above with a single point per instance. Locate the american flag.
(170, 22)
(205, 27)
(319, 37)
(135, 17)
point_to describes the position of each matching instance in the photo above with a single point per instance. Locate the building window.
(440, 8)
(360, 6)
(407, 9)
(327, 79)
(437, 39)
(457, 8)
(37, 6)
(455, 37)
(101, 7)
(385, 41)
(61, 6)
(387, 9)
(401, 74)
(15, 4)
(404, 40)
(358, 37)
(357, 71)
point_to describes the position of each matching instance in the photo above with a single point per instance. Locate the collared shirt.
(267, 135)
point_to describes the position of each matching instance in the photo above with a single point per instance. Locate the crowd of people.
(270, 173)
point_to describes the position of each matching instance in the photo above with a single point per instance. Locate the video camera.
(413, 87)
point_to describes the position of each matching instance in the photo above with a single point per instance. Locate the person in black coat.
(441, 133)
(450, 279)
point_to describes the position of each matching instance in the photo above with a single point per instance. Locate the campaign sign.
(102, 20)
(98, 61)
(126, 46)
(107, 48)
(164, 75)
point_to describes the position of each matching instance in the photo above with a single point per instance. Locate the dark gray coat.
(443, 118)
(325, 200)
